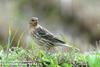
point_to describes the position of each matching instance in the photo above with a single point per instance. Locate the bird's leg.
(48, 49)
(51, 50)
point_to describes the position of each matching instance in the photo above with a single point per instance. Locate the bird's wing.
(45, 34)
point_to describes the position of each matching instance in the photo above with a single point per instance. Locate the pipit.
(42, 36)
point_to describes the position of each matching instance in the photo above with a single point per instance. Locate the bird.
(42, 36)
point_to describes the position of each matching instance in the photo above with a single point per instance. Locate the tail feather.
(65, 45)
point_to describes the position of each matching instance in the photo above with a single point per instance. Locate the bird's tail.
(66, 45)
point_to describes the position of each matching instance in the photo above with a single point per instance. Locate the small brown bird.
(42, 36)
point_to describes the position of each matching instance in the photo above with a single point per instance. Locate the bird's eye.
(32, 20)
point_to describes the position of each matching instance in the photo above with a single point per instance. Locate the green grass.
(17, 55)
(50, 60)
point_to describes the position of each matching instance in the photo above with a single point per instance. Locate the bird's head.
(33, 22)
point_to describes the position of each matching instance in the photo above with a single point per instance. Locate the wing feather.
(48, 36)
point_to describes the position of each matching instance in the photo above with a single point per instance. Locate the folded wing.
(46, 35)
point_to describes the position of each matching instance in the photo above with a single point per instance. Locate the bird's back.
(46, 36)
